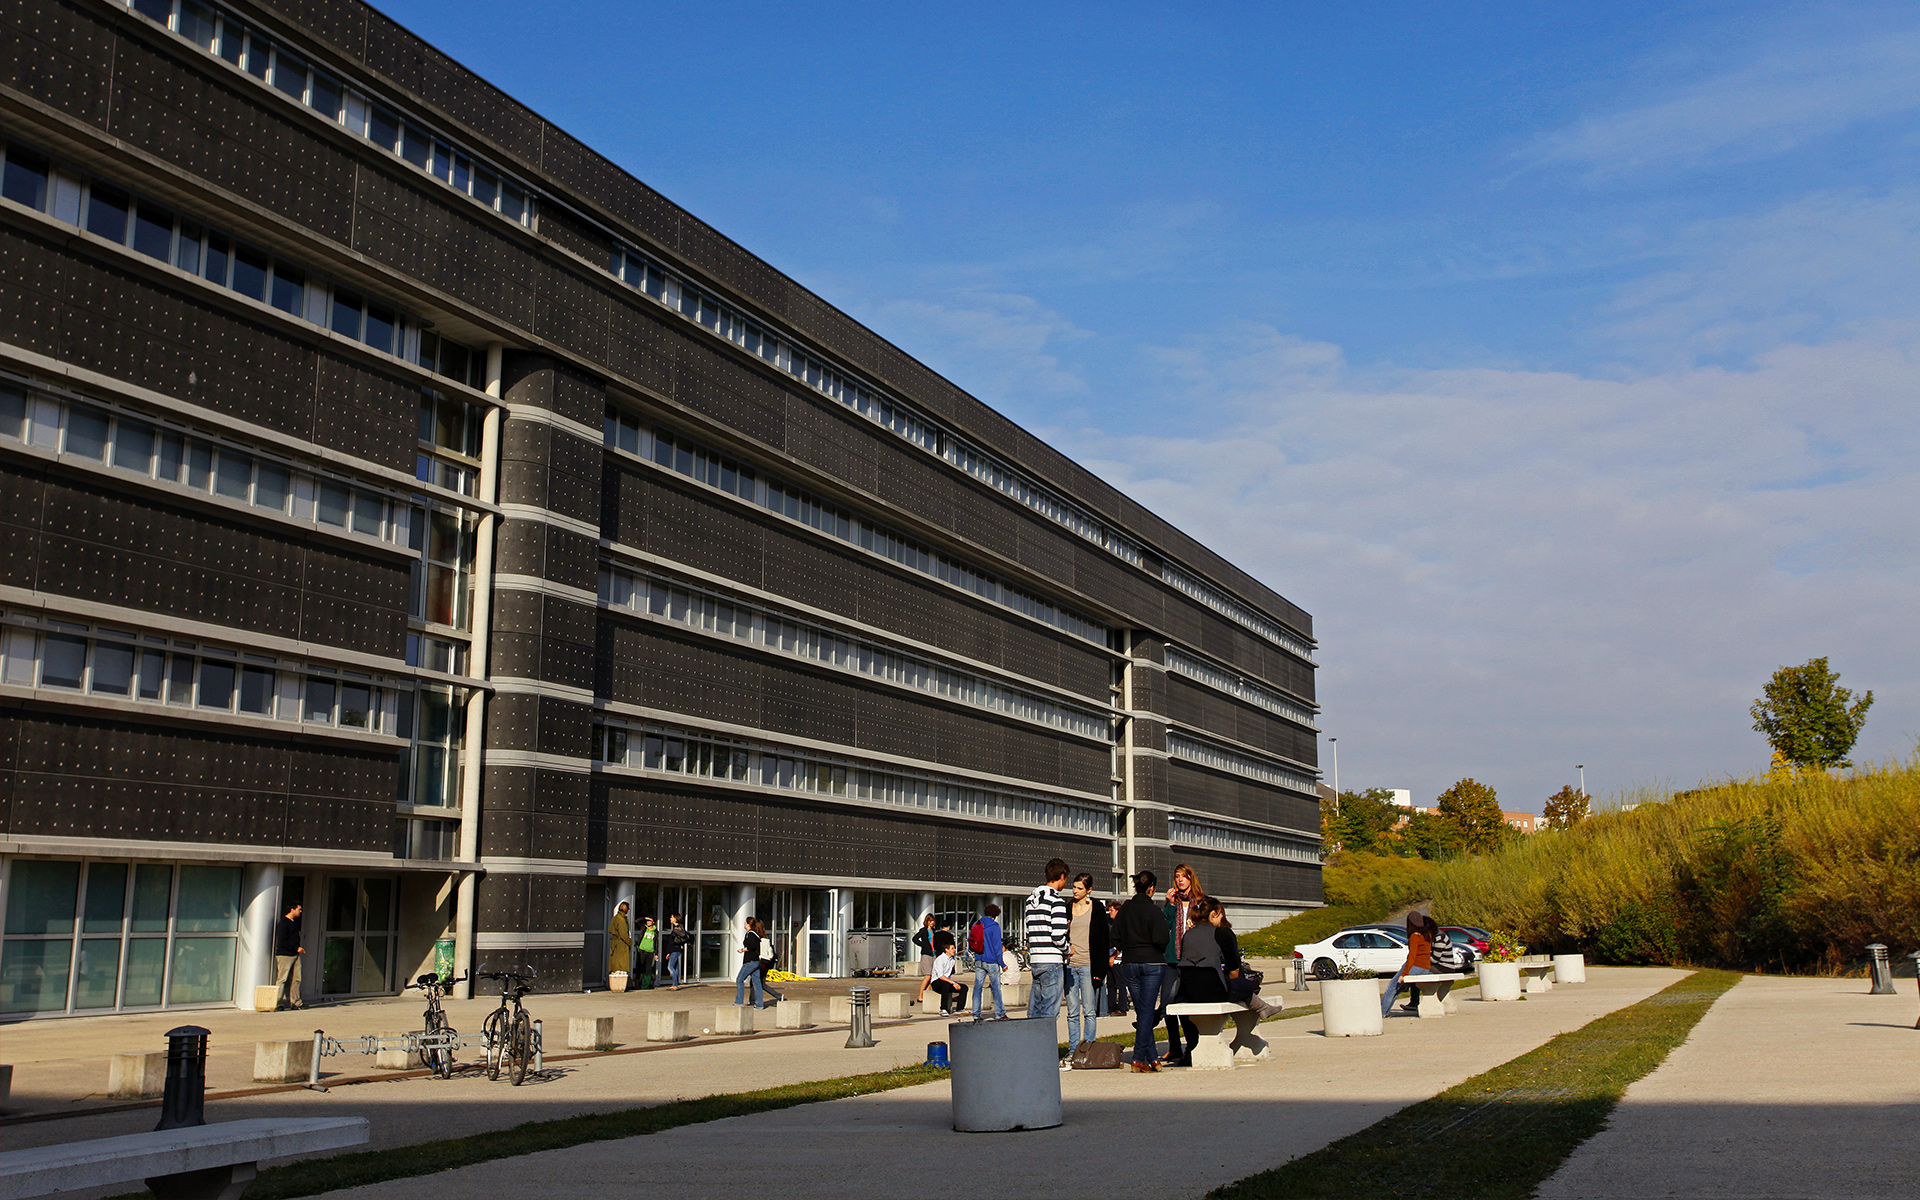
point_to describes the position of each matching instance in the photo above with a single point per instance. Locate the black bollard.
(184, 1103)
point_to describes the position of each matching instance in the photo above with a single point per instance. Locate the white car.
(1367, 949)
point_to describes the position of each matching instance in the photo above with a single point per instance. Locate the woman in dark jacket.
(1210, 956)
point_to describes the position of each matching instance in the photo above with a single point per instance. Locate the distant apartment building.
(411, 514)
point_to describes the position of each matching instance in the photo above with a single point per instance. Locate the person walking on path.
(677, 941)
(1141, 933)
(644, 954)
(1047, 922)
(767, 955)
(1185, 893)
(987, 949)
(749, 971)
(1087, 941)
(619, 942)
(1421, 929)
(286, 960)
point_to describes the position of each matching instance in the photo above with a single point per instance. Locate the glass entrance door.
(357, 956)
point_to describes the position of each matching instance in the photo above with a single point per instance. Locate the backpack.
(977, 938)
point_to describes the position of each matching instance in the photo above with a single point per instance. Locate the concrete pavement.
(1121, 1130)
(1787, 1088)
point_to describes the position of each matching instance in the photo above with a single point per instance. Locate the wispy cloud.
(1792, 91)
(1004, 344)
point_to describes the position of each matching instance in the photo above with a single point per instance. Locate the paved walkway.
(1787, 1088)
(899, 1144)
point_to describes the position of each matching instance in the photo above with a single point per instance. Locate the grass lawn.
(1501, 1133)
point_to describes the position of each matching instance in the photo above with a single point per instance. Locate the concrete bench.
(1218, 1046)
(210, 1161)
(1536, 977)
(1433, 994)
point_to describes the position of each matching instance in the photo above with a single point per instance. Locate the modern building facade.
(411, 514)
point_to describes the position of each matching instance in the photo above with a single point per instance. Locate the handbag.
(1097, 1056)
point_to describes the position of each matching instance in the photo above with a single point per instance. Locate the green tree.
(1366, 818)
(1811, 721)
(1474, 811)
(1431, 837)
(1565, 808)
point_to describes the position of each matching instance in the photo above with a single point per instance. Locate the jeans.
(1080, 1023)
(761, 981)
(986, 974)
(1143, 991)
(1393, 989)
(1043, 1000)
(674, 962)
(748, 971)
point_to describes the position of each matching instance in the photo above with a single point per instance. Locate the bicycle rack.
(413, 1042)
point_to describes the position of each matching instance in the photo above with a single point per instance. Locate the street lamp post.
(1333, 744)
(1582, 768)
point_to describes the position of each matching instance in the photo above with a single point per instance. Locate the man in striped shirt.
(1049, 916)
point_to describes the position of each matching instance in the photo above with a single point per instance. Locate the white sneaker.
(1066, 1065)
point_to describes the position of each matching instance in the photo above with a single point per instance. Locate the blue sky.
(1564, 361)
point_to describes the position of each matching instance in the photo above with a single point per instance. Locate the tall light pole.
(1582, 768)
(1334, 745)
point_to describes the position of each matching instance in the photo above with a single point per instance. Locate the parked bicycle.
(438, 1037)
(508, 1029)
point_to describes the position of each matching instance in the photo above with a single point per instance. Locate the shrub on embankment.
(1779, 874)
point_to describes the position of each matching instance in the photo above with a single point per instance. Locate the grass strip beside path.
(1501, 1133)
(316, 1175)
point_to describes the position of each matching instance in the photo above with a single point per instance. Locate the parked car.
(1469, 938)
(1395, 931)
(1369, 949)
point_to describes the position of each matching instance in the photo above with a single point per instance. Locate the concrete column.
(253, 957)
(842, 926)
(742, 909)
(623, 892)
(921, 909)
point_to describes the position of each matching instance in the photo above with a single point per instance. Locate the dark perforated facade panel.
(1194, 704)
(1205, 791)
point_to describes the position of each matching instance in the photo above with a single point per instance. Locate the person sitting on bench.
(952, 995)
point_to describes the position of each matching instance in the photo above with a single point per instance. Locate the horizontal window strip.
(1232, 609)
(680, 454)
(1238, 686)
(669, 750)
(30, 178)
(1208, 754)
(1237, 839)
(697, 608)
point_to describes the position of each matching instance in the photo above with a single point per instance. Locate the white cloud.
(1002, 343)
(1795, 91)
(1515, 571)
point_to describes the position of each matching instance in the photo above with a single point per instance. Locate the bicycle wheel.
(438, 1059)
(495, 1031)
(521, 1046)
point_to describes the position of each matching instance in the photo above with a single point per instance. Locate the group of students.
(1182, 949)
(640, 956)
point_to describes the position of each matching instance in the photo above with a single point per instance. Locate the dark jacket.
(752, 944)
(1143, 932)
(1099, 940)
(286, 936)
(676, 938)
(1200, 948)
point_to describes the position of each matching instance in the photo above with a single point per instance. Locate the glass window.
(333, 503)
(153, 232)
(259, 55)
(97, 981)
(218, 254)
(153, 670)
(513, 202)
(33, 975)
(256, 690)
(319, 705)
(346, 314)
(416, 146)
(356, 706)
(173, 453)
(290, 74)
(486, 186)
(63, 661)
(133, 446)
(107, 212)
(462, 172)
(233, 475)
(146, 970)
(25, 181)
(272, 486)
(380, 327)
(106, 899)
(87, 432)
(155, 10)
(367, 513)
(112, 668)
(180, 680)
(40, 898)
(152, 897)
(233, 37)
(289, 290)
(199, 465)
(209, 900)
(202, 967)
(250, 273)
(216, 684)
(326, 96)
(384, 130)
(196, 23)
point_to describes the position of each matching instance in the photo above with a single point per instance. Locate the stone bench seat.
(1536, 976)
(1433, 994)
(1218, 1045)
(216, 1160)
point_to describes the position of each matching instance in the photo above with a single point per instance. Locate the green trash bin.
(443, 959)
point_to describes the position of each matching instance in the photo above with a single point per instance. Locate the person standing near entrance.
(1048, 920)
(1142, 935)
(643, 965)
(1087, 940)
(619, 942)
(923, 940)
(984, 941)
(677, 941)
(286, 961)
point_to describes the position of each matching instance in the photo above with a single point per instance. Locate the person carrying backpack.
(983, 938)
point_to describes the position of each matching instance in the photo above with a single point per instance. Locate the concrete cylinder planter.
(1351, 1008)
(1499, 981)
(1569, 968)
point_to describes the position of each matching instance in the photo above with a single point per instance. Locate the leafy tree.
(1431, 837)
(1474, 811)
(1367, 818)
(1807, 717)
(1565, 808)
